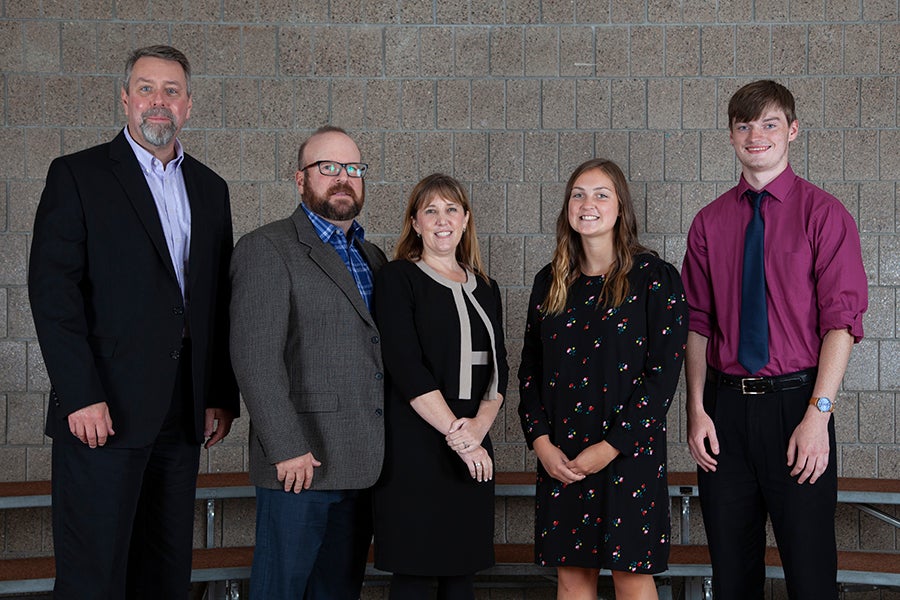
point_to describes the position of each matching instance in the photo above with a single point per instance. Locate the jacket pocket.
(310, 403)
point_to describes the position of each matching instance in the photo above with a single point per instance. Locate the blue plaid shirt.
(347, 250)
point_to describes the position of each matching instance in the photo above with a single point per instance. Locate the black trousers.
(123, 517)
(752, 480)
(414, 587)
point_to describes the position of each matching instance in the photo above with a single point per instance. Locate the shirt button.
(379, 376)
(375, 339)
(175, 354)
(378, 412)
(177, 310)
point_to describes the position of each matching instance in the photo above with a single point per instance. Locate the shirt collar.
(145, 158)
(325, 229)
(778, 188)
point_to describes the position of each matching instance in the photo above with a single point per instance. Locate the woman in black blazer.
(441, 324)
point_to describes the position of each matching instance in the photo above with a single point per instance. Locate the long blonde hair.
(409, 246)
(569, 254)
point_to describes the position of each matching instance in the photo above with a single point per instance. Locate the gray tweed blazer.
(307, 356)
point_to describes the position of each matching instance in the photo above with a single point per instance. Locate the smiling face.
(156, 104)
(761, 145)
(593, 205)
(441, 223)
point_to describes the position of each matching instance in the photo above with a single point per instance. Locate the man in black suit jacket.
(128, 283)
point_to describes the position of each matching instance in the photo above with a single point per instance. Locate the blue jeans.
(312, 545)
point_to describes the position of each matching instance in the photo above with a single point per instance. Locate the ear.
(793, 130)
(415, 225)
(300, 178)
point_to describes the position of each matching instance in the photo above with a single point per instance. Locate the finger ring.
(477, 464)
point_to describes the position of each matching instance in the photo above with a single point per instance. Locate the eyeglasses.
(331, 168)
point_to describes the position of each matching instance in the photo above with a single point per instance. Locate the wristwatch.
(825, 405)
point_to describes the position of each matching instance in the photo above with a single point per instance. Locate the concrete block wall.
(506, 95)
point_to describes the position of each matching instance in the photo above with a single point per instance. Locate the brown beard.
(321, 205)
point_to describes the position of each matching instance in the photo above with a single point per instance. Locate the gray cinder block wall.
(506, 95)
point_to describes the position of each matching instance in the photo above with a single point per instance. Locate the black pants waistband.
(762, 385)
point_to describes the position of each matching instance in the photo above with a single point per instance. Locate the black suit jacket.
(106, 304)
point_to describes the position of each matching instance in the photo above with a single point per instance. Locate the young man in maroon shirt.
(760, 407)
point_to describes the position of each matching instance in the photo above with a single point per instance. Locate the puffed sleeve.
(394, 311)
(532, 414)
(640, 419)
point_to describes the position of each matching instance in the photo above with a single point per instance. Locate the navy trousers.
(312, 545)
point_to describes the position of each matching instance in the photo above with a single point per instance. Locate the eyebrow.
(166, 82)
(599, 187)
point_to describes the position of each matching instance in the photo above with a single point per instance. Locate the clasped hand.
(465, 437)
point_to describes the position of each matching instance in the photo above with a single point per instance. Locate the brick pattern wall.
(506, 95)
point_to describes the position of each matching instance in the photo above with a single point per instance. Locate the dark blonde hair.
(409, 246)
(569, 253)
(749, 102)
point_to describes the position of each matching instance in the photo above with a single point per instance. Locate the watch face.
(824, 404)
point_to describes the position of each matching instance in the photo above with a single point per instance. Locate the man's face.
(761, 145)
(156, 103)
(339, 198)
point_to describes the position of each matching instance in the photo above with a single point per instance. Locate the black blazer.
(106, 304)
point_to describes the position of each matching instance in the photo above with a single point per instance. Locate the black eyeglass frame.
(358, 166)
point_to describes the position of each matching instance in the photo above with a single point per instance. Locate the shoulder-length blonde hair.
(409, 246)
(569, 253)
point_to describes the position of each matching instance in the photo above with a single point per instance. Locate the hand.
(481, 467)
(701, 429)
(593, 459)
(466, 434)
(297, 473)
(217, 425)
(92, 424)
(554, 461)
(808, 447)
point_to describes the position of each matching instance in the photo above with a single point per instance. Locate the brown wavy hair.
(569, 253)
(409, 246)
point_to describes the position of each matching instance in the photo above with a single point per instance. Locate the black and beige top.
(464, 301)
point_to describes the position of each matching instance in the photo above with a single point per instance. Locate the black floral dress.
(597, 373)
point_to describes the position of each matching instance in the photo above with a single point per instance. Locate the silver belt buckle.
(745, 381)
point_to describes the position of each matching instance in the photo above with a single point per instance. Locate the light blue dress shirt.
(170, 195)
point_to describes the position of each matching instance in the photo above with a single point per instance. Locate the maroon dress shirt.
(815, 281)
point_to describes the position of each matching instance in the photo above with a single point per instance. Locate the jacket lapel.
(128, 171)
(200, 221)
(330, 262)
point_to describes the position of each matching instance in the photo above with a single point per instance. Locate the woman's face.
(593, 205)
(441, 223)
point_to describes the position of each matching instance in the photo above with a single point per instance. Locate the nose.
(157, 99)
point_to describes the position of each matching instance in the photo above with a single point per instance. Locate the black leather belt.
(762, 385)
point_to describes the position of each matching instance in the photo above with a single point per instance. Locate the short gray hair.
(159, 51)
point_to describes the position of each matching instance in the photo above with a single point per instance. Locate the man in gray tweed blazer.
(307, 356)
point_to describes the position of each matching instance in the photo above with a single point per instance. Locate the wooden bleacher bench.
(877, 568)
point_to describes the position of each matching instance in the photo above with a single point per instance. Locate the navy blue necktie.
(753, 347)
